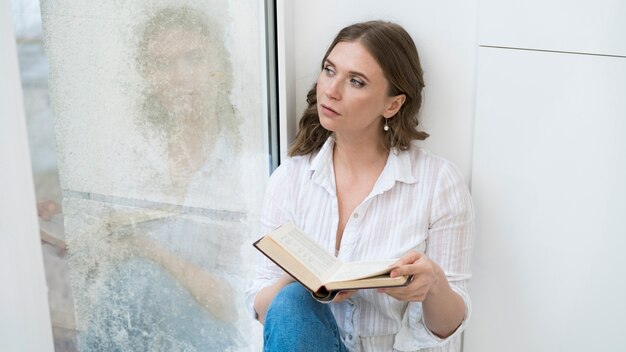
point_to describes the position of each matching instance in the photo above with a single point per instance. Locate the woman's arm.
(444, 309)
(269, 278)
(447, 258)
(266, 295)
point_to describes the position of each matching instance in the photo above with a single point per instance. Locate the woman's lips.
(329, 111)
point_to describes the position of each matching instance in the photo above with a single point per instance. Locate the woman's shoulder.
(291, 168)
(425, 161)
(420, 155)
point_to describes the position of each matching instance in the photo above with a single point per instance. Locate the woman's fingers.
(416, 290)
(407, 265)
(408, 258)
(421, 269)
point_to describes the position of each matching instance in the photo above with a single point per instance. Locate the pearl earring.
(386, 126)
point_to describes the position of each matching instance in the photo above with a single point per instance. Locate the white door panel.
(582, 26)
(548, 183)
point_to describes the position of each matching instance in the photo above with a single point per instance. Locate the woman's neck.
(359, 156)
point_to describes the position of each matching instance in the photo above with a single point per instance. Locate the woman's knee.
(292, 299)
(297, 322)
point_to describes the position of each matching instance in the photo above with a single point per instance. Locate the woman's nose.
(333, 89)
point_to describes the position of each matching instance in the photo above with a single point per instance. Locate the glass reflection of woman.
(157, 299)
(187, 106)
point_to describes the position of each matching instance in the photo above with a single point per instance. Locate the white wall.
(581, 26)
(548, 184)
(548, 177)
(24, 317)
(545, 156)
(445, 35)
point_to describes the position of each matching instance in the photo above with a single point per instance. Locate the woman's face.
(352, 93)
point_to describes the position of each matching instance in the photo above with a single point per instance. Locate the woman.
(359, 185)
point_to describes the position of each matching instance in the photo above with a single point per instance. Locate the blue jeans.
(295, 322)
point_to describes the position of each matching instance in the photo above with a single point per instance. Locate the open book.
(319, 271)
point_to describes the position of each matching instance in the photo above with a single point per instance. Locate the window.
(150, 144)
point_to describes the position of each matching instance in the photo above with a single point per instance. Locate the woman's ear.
(394, 105)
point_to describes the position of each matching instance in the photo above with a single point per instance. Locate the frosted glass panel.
(548, 185)
(155, 279)
(162, 153)
(151, 102)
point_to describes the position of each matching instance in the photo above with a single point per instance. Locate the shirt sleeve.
(449, 244)
(275, 213)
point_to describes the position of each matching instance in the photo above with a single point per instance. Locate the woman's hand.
(443, 309)
(265, 297)
(426, 276)
(343, 295)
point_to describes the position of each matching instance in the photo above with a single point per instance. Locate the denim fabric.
(295, 322)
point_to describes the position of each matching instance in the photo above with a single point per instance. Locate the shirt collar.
(403, 165)
(321, 166)
(398, 168)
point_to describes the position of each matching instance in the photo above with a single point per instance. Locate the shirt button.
(356, 215)
(349, 337)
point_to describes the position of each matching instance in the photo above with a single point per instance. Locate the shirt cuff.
(415, 335)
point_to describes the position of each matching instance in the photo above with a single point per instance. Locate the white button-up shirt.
(419, 202)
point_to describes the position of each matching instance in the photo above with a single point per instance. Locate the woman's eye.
(329, 71)
(357, 82)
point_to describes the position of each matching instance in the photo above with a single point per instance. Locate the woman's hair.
(394, 50)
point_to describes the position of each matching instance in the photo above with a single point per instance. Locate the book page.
(359, 270)
(309, 253)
